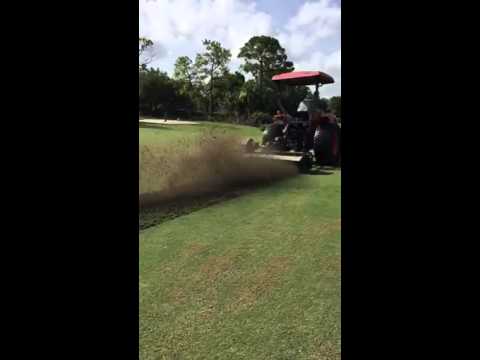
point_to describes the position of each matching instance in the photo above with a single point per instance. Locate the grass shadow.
(156, 208)
(156, 126)
(319, 172)
(322, 170)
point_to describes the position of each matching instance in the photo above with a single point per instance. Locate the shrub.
(259, 118)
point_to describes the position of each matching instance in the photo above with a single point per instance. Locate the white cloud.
(329, 63)
(313, 23)
(182, 25)
(320, 14)
(305, 36)
(178, 28)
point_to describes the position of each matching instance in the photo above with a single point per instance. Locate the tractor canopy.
(304, 78)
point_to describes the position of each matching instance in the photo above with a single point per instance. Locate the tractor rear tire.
(322, 144)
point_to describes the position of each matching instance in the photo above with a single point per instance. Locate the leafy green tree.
(212, 64)
(228, 91)
(336, 105)
(186, 79)
(252, 99)
(158, 92)
(291, 96)
(324, 104)
(245, 96)
(144, 45)
(184, 72)
(264, 57)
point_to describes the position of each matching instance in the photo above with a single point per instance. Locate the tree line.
(206, 88)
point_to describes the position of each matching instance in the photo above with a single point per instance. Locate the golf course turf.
(250, 276)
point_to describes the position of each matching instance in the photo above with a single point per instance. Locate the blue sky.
(308, 30)
(280, 14)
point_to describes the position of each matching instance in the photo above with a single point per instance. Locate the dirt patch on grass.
(321, 229)
(333, 226)
(326, 350)
(201, 283)
(215, 266)
(193, 249)
(204, 291)
(330, 264)
(260, 283)
(329, 227)
(177, 296)
(207, 312)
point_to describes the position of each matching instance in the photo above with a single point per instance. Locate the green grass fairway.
(161, 134)
(253, 277)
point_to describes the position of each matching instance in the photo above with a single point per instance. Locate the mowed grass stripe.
(255, 277)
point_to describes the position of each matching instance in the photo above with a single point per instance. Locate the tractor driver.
(281, 119)
(276, 129)
(279, 116)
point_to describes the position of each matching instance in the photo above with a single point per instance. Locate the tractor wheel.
(339, 149)
(322, 145)
(305, 164)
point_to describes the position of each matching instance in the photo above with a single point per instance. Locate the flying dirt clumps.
(212, 163)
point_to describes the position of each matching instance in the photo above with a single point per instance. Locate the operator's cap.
(302, 107)
(310, 104)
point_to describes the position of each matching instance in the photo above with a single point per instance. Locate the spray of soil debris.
(211, 164)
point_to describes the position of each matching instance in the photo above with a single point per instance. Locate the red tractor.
(311, 135)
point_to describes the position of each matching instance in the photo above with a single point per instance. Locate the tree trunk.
(210, 105)
(260, 80)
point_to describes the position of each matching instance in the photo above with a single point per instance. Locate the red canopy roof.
(304, 78)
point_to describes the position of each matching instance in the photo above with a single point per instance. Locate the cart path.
(168, 122)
